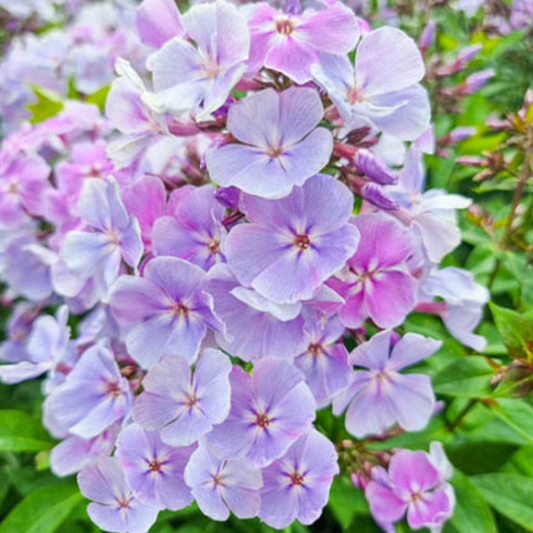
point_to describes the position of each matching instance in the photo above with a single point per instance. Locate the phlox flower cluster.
(252, 199)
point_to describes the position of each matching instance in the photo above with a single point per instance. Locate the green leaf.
(510, 494)
(99, 97)
(42, 511)
(467, 377)
(345, 501)
(516, 414)
(516, 331)
(48, 105)
(21, 432)
(472, 512)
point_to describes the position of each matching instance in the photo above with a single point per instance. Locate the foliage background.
(487, 431)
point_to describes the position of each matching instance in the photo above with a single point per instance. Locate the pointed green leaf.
(43, 511)
(516, 331)
(21, 432)
(510, 494)
(472, 512)
(468, 377)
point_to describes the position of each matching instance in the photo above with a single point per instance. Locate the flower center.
(214, 246)
(113, 238)
(124, 503)
(315, 349)
(217, 480)
(262, 420)
(180, 309)
(113, 389)
(12, 188)
(191, 400)
(155, 465)
(302, 241)
(355, 96)
(275, 151)
(297, 478)
(284, 26)
(211, 68)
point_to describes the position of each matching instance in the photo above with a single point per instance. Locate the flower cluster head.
(235, 220)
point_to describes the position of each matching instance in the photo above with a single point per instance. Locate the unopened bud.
(374, 168)
(374, 193)
(475, 81)
(428, 35)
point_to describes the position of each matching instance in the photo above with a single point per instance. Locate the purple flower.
(114, 507)
(94, 395)
(376, 274)
(157, 22)
(195, 232)
(183, 404)
(383, 86)
(291, 42)
(111, 235)
(25, 264)
(74, 453)
(282, 147)
(88, 160)
(22, 186)
(47, 344)
(324, 363)
(154, 470)
(413, 485)
(146, 200)
(166, 312)
(433, 213)
(380, 396)
(296, 486)
(270, 410)
(220, 486)
(126, 111)
(464, 300)
(188, 78)
(306, 235)
(254, 326)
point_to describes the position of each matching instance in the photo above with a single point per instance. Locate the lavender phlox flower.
(270, 410)
(194, 231)
(94, 395)
(383, 86)
(432, 213)
(296, 486)
(223, 485)
(377, 274)
(184, 404)
(280, 144)
(379, 396)
(413, 486)
(325, 361)
(291, 42)
(306, 235)
(165, 312)
(109, 236)
(47, 344)
(125, 108)
(155, 471)
(199, 78)
(114, 506)
(462, 308)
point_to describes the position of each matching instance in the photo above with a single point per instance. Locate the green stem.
(466, 409)
(525, 174)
